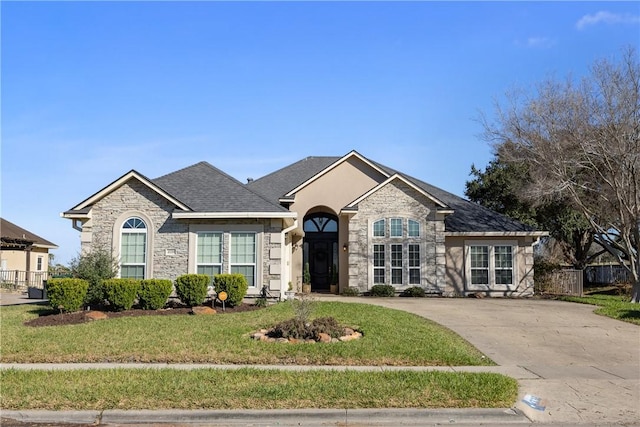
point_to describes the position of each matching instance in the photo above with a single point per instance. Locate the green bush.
(235, 285)
(94, 266)
(121, 293)
(67, 295)
(192, 288)
(382, 291)
(350, 292)
(414, 291)
(154, 293)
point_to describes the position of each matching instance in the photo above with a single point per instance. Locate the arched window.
(133, 249)
(320, 223)
(378, 228)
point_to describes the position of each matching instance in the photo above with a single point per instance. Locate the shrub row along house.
(349, 219)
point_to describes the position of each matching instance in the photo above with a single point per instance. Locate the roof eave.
(232, 215)
(119, 182)
(496, 233)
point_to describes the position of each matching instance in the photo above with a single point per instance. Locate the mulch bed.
(53, 318)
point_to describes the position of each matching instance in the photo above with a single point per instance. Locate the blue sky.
(91, 90)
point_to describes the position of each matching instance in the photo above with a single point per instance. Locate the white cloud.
(540, 42)
(606, 17)
(535, 42)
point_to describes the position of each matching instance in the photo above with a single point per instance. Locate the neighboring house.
(370, 223)
(24, 256)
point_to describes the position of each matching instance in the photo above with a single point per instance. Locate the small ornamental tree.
(192, 288)
(94, 266)
(235, 285)
(66, 295)
(121, 293)
(154, 293)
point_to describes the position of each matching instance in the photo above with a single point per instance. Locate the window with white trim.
(209, 253)
(491, 264)
(479, 265)
(133, 249)
(503, 261)
(243, 256)
(396, 265)
(378, 264)
(413, 228)
(414, 264)
(396, 253)
(378, 228)
(395, 227)
(39, 264)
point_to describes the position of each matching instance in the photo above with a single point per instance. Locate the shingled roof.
(205, 188)
(278, 183)
(468, 217)
(13, 233)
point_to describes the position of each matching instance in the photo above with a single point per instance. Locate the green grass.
(251, 389)
(391, 337)
(614, 306)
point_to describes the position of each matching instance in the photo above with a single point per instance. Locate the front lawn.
(614, 306)
(251, 389)
(391, 337)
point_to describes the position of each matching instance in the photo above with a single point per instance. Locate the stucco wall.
(330, 193)
(456, 265)
(17, 260)
(397, 200)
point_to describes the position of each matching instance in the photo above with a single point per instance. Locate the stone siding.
(168, 238)
(397, 200)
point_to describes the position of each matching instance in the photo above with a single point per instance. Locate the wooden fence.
(565, 282)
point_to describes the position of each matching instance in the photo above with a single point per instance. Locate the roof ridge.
(293, 164)
(223, 174)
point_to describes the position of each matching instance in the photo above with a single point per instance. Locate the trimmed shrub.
(67, 295)
(414, 291)
(192, 288)
(121, 293)
(235, 285)
(350, 292)
(382, 291)
(154, 293)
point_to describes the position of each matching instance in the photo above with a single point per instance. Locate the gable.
(83, 207)
(354, 158)
(337, 186)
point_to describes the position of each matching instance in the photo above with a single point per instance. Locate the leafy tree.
(502, 186)
(581, 142)
(94, 266)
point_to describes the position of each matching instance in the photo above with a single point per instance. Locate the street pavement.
(573, 368)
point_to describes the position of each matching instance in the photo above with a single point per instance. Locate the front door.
(321, 242)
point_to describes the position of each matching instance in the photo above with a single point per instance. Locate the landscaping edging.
(348, 335)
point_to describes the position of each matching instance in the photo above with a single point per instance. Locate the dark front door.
(321, 243)
(320, 262)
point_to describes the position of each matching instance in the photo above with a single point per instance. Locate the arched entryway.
(321, 249)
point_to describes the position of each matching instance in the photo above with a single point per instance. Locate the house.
(350, 215)
(24, 256)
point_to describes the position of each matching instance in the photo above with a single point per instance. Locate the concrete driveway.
(584, 368)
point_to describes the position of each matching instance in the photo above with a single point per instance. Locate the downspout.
(286, 278)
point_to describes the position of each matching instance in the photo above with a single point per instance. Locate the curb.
(380, 417)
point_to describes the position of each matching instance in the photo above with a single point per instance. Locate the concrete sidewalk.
(280, 417)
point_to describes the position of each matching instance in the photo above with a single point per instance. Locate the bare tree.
(581, 141)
